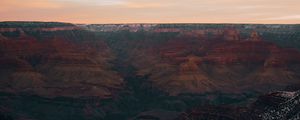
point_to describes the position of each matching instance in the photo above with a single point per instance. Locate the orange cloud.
(19, 4)
(142, 6)
(154, 11)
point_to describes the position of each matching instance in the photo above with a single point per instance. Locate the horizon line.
(120, 23)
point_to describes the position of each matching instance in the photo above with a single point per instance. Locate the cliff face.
(281, 105)
(56, 64)
(62, 71)
(226, 62)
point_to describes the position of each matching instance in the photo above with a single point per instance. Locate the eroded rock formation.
(224, 63)
(57, 65)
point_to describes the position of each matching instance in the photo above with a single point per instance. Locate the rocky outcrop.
(281, 105)
(254, 37)
(188, 78)
(57, 65)
(278, 106)
(231, 35)
(227, 63)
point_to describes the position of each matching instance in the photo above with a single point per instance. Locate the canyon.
(56, 65)
(149, 71)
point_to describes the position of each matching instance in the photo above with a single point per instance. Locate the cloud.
(29, 4)
(93, 2)
(289, 17)
(141, 11)
(142, 6)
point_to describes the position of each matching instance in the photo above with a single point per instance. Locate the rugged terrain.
(210, 61)
(149, 71)
(55, 60)
(281, 105)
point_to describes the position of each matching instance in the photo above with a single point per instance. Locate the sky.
(152, 11)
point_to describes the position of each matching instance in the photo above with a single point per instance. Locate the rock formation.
(281, 105)
(255, 36)
(231, 35)
(57, 65)
(224, 63)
